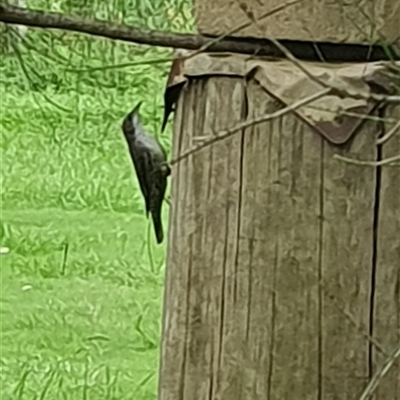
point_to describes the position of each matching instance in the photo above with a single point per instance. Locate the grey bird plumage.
(150, 163)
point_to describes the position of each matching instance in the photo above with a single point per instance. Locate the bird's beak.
(137, 107)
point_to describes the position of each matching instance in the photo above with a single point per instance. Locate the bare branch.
(370, 338)
(385, 138)
(244, 26)
(386, 161)
(380, 373)
(352, 320)
(340, 92)
(51, 20)
(243, 125)
(131, 64)
(360, 116)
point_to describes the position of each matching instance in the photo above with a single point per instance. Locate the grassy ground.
(82, 284)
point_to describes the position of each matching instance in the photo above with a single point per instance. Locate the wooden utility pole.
(283, 276)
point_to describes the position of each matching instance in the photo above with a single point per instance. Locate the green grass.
(82, 284)
(92, 311)
(81, 288)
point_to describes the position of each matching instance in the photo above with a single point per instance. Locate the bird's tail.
(158, 228)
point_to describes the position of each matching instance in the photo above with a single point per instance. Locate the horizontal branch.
(263, 47)
(52, 20)
(386, 161)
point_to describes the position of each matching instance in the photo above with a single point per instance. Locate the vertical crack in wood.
(245, 113)
(272, 323)
(223, 284)
(250, 255)
(209, 175)
(188, 108)
(378, 178)
(205, 85)
(239, 212)
(186, 341)
(320, 263)
(211, 388)
(250, 284)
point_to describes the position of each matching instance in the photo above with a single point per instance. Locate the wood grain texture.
(346, 265)
(279, 263)
(354, 21)
(203, 230)
(386, 301)
(270, 259)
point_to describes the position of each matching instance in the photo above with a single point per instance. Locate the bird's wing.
(158, 188)
(159, 180)
(143, 166)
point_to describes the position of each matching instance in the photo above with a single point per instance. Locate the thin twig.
(64, 258)
(243, 125)
(386, 161)
(370, 338)
(149, 246)
(385, 138)
(366, 117)
(340, 92)
(380, 373)
(323, 283)
(241, 27)
(131, 64)
(52, 20)
(202, 49)
(381, 99)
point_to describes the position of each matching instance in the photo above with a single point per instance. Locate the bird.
(150, 163)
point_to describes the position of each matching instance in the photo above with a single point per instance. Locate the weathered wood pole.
(283, 262)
